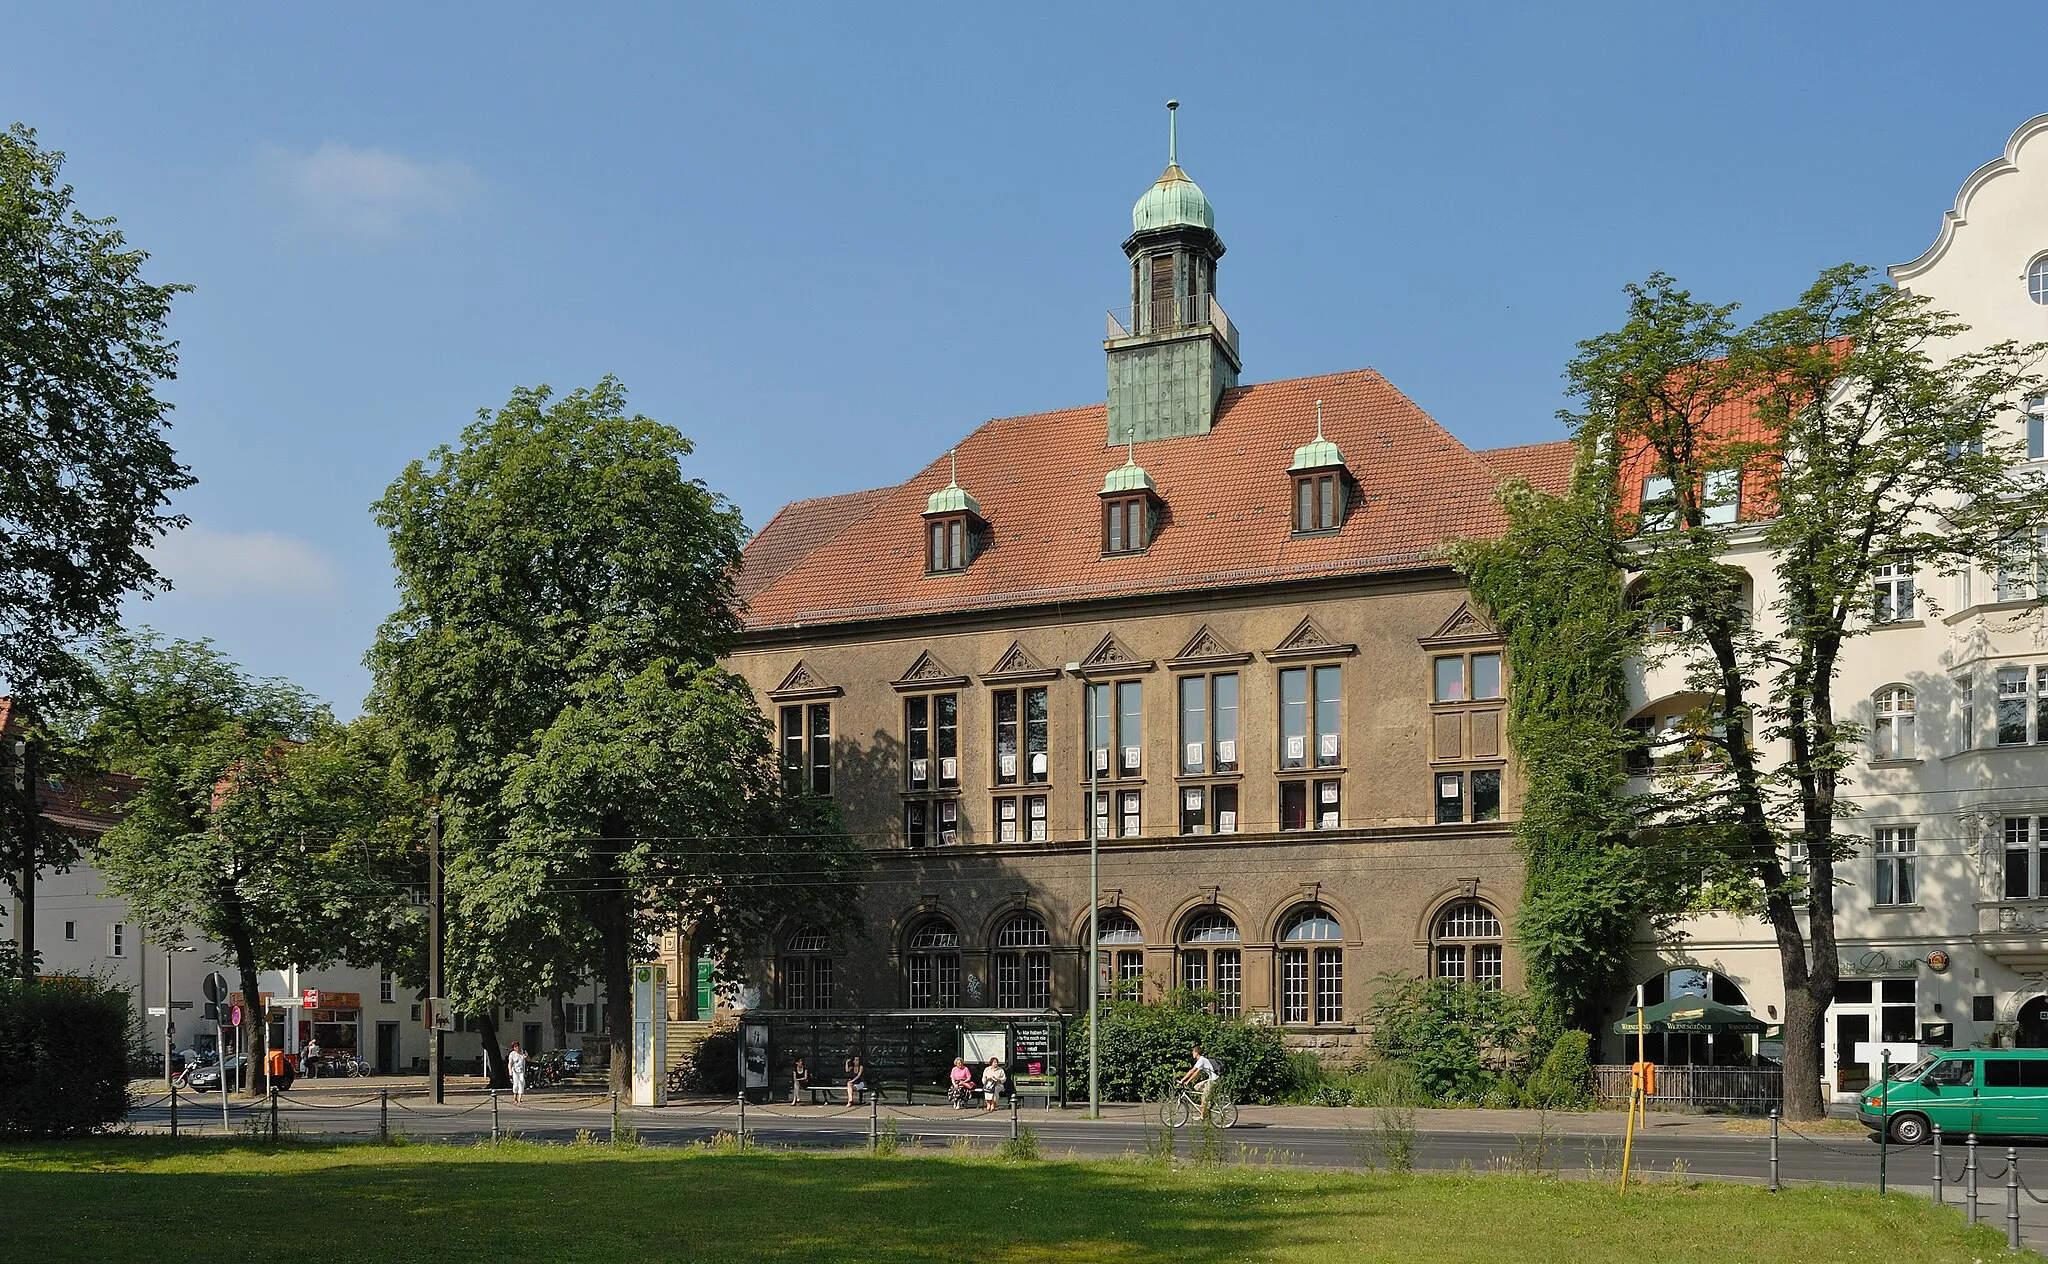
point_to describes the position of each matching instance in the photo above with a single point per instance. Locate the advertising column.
(650, 1034)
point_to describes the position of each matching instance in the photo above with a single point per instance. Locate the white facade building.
(1944, 915)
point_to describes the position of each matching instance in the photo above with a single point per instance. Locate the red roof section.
(1227, 496)
(87, 805)
(1547, 467)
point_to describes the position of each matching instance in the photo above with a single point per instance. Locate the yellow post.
(1635, 1094)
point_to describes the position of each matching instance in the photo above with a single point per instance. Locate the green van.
(1992, 1092)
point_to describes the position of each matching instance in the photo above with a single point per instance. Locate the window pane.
(957, 555)
(1450, 962)
(1721, 496)
(1115, 542)
(1193, 817)
(1450, 679)
(792, 746)
(821, 749)
(1486, 971)
(1194, 969)
(1194, 724)
(917, 740)
(1293, 805)
(1223, 807)
(1223, 690)
(1127, 812)
(1130, 705)
(1294, 994)
(1037, 736)
(1229, 982)
(1450, 798)
(1304, 505)
(1326, 493)
(1329, 985)
(1486, 676)
(1006, 737)
(938, 557)
(1100, 722)
(1329, 705)
(1329, 804)
(1294, 717)
(946, 722)
(1486, 794)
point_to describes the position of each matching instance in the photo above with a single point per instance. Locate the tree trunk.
(255, 1047)
(1803, 1097)
(495, 1074)
(558, 1020)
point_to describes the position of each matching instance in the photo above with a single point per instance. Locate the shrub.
(1458, 1040)
(1145, 1047)
(714, 1065)
(63, 1045)
(1565, 1080)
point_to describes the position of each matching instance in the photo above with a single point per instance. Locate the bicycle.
(1185, 1104)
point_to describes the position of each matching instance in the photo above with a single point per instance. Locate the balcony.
(1196, 312)
(2014, 933)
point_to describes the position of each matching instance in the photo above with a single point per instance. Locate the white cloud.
(200, 561)
(369, 191)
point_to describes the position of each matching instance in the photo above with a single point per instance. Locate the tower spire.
(1172, 134)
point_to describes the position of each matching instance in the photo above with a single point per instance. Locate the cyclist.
(1203, 1075)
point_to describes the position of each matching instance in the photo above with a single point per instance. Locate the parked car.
(1991, 1092)
(201, 1079)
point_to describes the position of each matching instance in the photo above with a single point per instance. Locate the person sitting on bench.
(960, 1084)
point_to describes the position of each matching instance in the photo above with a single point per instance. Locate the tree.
(1858, 441)
(565, 592)
(257, 821)
(86, 469)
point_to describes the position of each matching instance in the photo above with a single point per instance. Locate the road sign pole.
(434, 1078)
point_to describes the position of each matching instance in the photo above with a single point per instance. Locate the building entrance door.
(387, 1048)
(530, 1039)
(2033, 1024)
(1851, 1030)
(705, 1000)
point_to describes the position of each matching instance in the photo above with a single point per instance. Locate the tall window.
(2022, 714)
(1895, 850)
(807, 748)
(932, 966)
(2037, 280)
(1208, 724)
(1023, 753)
(1124, 944)
(1318, 502)
(1311, 717)
(1311, 968)
(1721, 497)
(1462, 796)
(1892, 596)
(806, 971)
(2022, 565)
(1466, 947)
(1892, 731)
(2023, 857)
(1023, 964)
(2037, 415)
(1126, 525)
(1966, 712)
(1660, 504)
(931, 739)
(1211, 960)
(387, 987)
(951, 543)
(1115, 724)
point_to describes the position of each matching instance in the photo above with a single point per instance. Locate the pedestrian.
(515, 1066)
(799, 1080)
(960, 1084)
(312, 1060)
(856, 1080)
(993, 1081)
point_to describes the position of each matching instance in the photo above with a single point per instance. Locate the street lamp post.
(1093, 974)
(170, 1007)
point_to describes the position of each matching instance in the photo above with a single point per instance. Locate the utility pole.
(434, 952)
(1092, 976)
(25, 881)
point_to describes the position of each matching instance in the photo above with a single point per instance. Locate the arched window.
(1311, 978)
(1893, 731)
(1119, 933)
(806, 971)
(2037, 280)
(1697, 1048)
(1466, 946)
(1023, 964)
(1210, 959)
(932, 965)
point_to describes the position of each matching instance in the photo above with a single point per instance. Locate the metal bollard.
(174, 1106)
(874, 1122)
(273, 1115)
(384, 1114)
(1970, 1180)
(615, 1116)
(743, 1119)
(1774, 1149)
(494, 1116)
(2012, 1199)
(1937, 1165)
(1013, 1117)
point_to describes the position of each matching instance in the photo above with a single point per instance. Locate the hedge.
(1146, 1047)
(63, 1058)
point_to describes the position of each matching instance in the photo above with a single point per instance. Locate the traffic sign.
(311, 997)
(215, 988)
(235, 1017)
(212, 1012)
(157, 1011)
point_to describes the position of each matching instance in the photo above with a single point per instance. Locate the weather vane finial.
(1319, 421)
(955, 454)
(1131, 434)
(1172, 135)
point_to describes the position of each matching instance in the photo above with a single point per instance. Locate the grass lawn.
(148, 1199)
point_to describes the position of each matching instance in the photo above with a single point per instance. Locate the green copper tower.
(1173, 352)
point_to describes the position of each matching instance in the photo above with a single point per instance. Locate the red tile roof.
(795, 531)
(1547, 467)
(1227, 498)
(88, 805)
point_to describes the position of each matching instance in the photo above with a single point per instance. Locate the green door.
(1947, 1094)
(704, 999)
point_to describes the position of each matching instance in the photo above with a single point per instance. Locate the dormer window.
(1126, 525)
(1319, 478)
(954, 528)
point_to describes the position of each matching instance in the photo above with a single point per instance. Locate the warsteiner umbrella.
(1687, 1015)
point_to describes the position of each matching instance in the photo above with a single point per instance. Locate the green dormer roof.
(1173, 201)
(1128, 477)
(1318, 453)
(952, 498)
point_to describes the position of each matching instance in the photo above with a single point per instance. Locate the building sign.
(337, 1000)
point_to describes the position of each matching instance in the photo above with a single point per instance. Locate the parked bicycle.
(548, 1070)
(1185, 1104)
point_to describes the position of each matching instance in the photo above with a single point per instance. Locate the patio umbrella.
(1690, 1014)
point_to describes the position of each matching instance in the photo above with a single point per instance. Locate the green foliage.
(1386, 1082)
(1565, 1079)
(1460, 1042)
(1145, 1048)
(1022, 1148)
(714, 1065)
(64, 1047)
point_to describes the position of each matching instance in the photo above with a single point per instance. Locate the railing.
(1196, 311)
(1751, 1090)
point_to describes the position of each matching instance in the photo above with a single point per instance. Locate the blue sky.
(825, 242)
